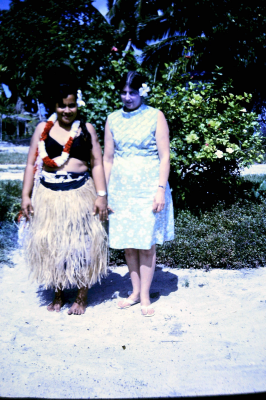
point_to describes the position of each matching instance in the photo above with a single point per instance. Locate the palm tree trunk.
(17, 127)
(39, 110)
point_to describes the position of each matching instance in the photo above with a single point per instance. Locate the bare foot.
(80, 304)
(57, 303)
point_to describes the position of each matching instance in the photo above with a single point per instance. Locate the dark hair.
(132, 79)
(62, 91)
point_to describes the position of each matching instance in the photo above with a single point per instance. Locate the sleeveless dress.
(134, 182)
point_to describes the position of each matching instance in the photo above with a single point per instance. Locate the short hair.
(132, 79)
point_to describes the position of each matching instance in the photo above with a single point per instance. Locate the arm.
(108, 157)
(100, 205)
(28, 180)
(163, 145)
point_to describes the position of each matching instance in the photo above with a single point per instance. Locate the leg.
(79, 306)
(58, 301)
(132, 258)
(147, 260)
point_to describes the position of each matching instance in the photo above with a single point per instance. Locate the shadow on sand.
(115, 285)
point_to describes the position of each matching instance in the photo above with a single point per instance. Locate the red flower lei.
(47, 160)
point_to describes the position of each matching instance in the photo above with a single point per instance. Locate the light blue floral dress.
(134, 182)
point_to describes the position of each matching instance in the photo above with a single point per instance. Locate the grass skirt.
(66, 245)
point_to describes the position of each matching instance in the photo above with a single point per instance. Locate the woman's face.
(130, 98)
(67, 110)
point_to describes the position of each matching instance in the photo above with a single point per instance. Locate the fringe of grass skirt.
(66, 245)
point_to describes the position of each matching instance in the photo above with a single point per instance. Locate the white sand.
(205, 339)
(13, 148)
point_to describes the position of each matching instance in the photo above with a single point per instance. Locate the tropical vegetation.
(204, 62)
(37, 37)
(230, 34)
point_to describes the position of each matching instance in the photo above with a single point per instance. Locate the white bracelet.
(101, 193)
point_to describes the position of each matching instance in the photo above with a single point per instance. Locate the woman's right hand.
(26, 207)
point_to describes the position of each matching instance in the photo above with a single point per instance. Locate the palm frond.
(119, 9)
(167, 50)
(110, 4)
(158, 28)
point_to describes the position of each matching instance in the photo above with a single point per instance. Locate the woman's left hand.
(158, 201)
(100, 207)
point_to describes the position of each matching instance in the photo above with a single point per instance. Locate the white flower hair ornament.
(80, 102)
(143, 91)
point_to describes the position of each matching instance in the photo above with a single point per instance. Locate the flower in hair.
(143, 91)
(80, 102)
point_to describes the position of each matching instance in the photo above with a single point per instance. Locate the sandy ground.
(206, 338)
(13, 148)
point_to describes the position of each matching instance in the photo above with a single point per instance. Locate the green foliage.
(232, 238)
(37, 36)
(5, 106)
(212, 136)
(102, 100)
(208, 122)
(117, 257)
(101, 96)
(229, 33)
(10, 199)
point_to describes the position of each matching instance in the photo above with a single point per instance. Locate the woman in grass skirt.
(66, 244)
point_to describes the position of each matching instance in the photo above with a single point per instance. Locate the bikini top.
(79, 149)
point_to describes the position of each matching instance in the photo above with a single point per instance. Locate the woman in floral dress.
(137, 164)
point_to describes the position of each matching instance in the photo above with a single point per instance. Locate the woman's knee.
(147, 253)
(131, 252)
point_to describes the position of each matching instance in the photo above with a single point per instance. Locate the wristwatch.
(101, 193)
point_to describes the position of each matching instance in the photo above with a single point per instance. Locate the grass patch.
(13, 158)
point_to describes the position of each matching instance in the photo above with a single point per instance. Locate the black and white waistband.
(63, 180)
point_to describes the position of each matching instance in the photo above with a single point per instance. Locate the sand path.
(207, 337)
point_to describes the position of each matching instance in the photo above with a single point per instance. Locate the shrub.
(101, 95)
(117, 257)
(232, 238)
(212, 136)
(10, 199)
